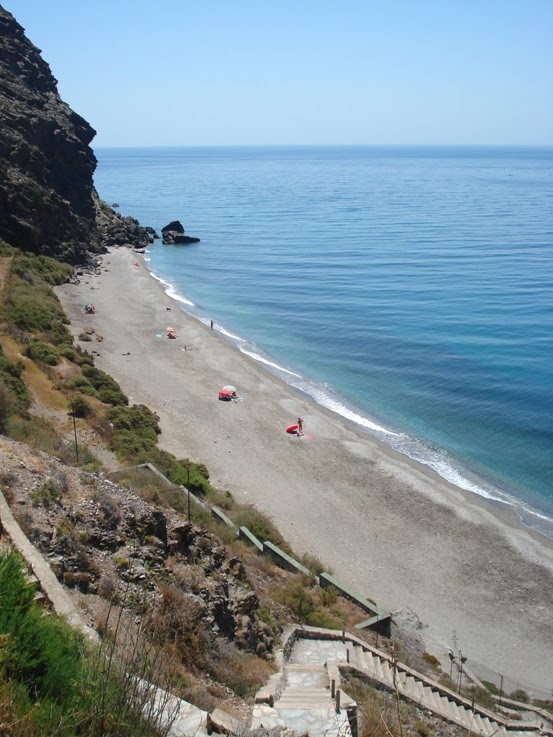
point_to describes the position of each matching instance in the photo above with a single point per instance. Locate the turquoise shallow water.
(410, 289)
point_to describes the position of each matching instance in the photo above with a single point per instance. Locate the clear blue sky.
(203, 72)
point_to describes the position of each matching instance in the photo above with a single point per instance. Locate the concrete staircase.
(301, 697)
(307, 695)
(381, 668)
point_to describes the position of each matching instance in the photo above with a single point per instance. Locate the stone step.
(479, 725)
(355, 654)
(464, 715)
(320, 696)
(487, 727)
(370, 667)
(435, 699)
(386, 672)
(457, 712)
(414, 688)
(307, 667)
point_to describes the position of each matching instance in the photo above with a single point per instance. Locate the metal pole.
(75, 433)
(188, 490)
(500, 689)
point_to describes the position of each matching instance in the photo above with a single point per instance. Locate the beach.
(442, 560)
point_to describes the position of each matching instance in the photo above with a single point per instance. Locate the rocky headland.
(48, 203)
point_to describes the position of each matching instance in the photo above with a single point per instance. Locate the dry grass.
(38, 383)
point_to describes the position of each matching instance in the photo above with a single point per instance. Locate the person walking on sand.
(212, 324)
(300, 426)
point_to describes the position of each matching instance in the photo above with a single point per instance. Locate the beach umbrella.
(229, 388)
(225, 394)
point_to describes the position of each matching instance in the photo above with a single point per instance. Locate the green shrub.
(112, 396)
(10, 375)
(6, 250)
(7, 406)
(260, 525)
(58, 335)
(67, 351)
(492, 688)
(79, 407)
(51, 684)
(33, 309)
(47, 269)
(82, 357)
(80, 384)
(41, 653)
(108, 389)
(38, 351)
(47, 493)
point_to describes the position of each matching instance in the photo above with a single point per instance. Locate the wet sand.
(440, 558)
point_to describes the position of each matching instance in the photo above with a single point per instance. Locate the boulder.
(173, 234)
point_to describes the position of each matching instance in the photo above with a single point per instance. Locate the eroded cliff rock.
(46, 164)
(48, 203)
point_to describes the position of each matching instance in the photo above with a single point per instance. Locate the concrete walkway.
(301, 695)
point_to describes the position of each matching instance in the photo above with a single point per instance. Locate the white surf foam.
(260, 359)
(171, 292)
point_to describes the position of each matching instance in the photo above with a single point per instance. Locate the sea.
(408, 289)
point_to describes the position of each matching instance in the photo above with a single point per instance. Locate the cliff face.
(46, 165)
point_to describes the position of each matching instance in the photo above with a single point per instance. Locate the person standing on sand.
(300, 426)
(212, 324)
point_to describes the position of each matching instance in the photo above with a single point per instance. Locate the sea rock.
(173, 234)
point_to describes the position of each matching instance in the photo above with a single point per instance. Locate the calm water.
(410, 289)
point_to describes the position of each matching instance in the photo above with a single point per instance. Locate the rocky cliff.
(47, 199)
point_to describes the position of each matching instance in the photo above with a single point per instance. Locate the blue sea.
(409, 289)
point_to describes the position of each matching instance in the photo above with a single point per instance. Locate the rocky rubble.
(102, 539)
(118, 230)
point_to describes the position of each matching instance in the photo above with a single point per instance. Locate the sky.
(253, 72)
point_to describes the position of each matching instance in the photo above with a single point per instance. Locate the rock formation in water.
(47, 199)
(174, 234)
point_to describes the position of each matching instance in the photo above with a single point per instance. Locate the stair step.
(370, 663)
(488, 726)
(465, 714)
(387, 673)
(436, 699)
(461, 713)
(409, 688)
(355, 654)
(378, 672)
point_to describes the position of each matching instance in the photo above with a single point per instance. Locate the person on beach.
(212, 324)
(300, 426)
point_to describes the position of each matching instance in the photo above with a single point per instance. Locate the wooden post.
(333, 688)
(338, 701)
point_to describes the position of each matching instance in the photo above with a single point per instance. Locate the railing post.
(338, 701)
(333, 688)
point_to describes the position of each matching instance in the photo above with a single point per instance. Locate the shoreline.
(387, 525)
(455, 472)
